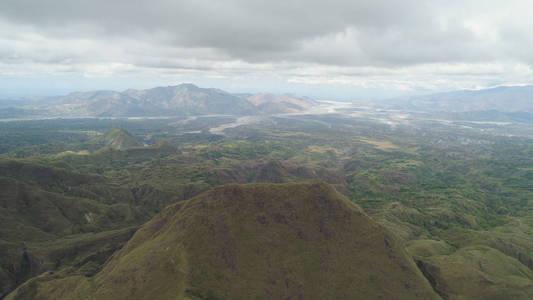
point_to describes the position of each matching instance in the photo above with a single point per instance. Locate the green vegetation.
(232, 243)
(117, 138)
(457, 198)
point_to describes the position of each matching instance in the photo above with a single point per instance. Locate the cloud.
(408, 44)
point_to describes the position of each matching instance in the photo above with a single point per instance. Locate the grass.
(432, 191)
(479, 272)
(232, 242)
(381, 145)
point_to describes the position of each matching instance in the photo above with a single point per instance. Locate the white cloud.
(403, 45)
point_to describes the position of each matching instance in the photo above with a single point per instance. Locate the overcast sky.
(335, 48)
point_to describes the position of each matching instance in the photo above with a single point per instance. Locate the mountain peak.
(117, 138)
(186, 85)
(174, 100)
(256, 241)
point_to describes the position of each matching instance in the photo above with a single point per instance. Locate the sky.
(332, 49)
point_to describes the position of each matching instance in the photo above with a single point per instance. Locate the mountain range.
(496, 104)
(508, 99)
(179, 100)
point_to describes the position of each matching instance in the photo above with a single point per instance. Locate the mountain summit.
(268, 241)
(118, 139)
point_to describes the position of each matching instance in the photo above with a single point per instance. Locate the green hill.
(118, 139)
(478, 272)
(52, 217)
(257, 241)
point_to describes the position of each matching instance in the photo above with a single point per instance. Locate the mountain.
(184, 99)
(53, 217)
(502, 99)
(271, 103)
(180, 100)
(118, 139)
(276, 241)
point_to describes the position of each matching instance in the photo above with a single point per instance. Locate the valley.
(79, 193)
(296, 150)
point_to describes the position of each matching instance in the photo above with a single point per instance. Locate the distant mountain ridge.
(179, 100)
(507, 99)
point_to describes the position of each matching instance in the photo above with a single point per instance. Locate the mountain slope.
(190, 99)
(300, 241)
(485, 273)
(184, 99)
(47, 229)
(117, 138)
(271, 103)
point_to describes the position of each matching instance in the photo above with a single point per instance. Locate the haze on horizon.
(342, 49)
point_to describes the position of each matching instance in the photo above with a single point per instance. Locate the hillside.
(302, 241)
(117, 138)
(54, 218)
(458, 198)
(43, 229)
(184, 99)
